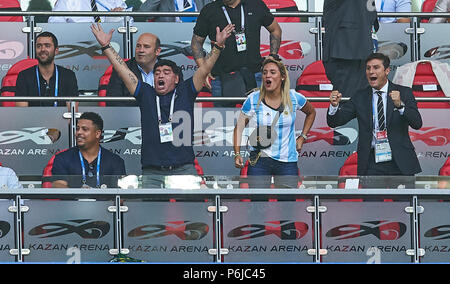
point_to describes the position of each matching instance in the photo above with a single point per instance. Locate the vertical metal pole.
(19, 229)
(73, 124)
(415, 229)
(317, 236)
(127, 50)
(218, 232)
(319, 39)
(118, 225)
(31, 39)
(415, 50)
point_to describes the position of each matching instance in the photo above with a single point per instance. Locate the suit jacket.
(116, 87)
(167, 6)
(348, 26)
(360, 107)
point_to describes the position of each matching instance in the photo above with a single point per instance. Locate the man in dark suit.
(384, 111)
(347, 42)
(148, 48)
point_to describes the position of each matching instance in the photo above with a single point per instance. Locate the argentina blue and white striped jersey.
(284, 147)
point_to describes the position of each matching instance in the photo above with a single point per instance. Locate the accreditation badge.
(241, 42)
(383, 151)
(165, 132)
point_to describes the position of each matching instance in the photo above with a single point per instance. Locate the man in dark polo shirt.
(88, 164)
(242, 53)
(165, 150)
(46, 79)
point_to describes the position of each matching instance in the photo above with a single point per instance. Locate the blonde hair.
(285, 84)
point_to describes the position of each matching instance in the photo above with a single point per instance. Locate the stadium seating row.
(313, 82)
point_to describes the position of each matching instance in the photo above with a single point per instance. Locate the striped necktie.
(380, 109)
(94, 9)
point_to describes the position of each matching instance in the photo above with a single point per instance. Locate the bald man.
(148, 47)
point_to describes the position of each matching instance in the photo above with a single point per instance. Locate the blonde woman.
(273, 110)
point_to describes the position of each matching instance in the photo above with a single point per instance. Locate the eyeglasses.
(91, 170)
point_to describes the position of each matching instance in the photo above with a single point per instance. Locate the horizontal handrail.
(195, 14)
(199, 99)
(229, 193)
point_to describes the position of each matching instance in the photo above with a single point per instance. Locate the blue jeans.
(216, 89)
(285, 174)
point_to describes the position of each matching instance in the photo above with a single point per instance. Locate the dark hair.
(380, 56)
(94, 117)
(49, 34)
(175, 68)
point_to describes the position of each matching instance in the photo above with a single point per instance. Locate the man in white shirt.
(8, 179)
(87, 5)
(388, 6)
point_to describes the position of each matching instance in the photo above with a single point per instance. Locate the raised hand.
(103, 38)
(221, 36)
(335, 98)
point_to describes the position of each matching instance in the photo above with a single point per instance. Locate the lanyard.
(83, 169)
(382, 6)
(172, 104)
(242, 17)
(56, 83)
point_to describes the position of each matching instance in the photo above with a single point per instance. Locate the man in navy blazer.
(347, 42)
(400, 112)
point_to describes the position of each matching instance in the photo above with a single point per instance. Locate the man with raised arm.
(164, 153)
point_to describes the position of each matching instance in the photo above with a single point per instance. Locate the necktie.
(380, 109)
(94, 9)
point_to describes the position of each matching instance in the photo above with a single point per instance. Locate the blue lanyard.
(83, 169)
(56, 83)
(382, 6)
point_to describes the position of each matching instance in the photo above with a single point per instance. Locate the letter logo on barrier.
(4, 228)
(341, 136)
(178, 47)
(383, 230)
(284, 229)
(36, 134)
(438, 52)
(394, 50)
(132, 134)
(439, 232)
(289, 49)
(432, 136)
(85, 228)
(90, 48)
(184, 230)
(10, 49)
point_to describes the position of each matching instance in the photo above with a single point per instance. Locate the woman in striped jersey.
(273, 105)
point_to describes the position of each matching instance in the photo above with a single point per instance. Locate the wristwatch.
(106, 47)
(402, 105)
(218, 46)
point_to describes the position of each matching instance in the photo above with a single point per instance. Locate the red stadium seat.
(10, 5)
(427, 7)
(205, 93)
(9, 81)
(104, 81)
(47, 173)
(283, 6)
(425, 84)
(444, 171)
(313, 82)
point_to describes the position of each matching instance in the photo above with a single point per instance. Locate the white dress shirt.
(85, 5)
(8, 179)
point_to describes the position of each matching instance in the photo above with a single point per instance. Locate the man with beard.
(46, 79)
(148, 47)
(87, 165)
